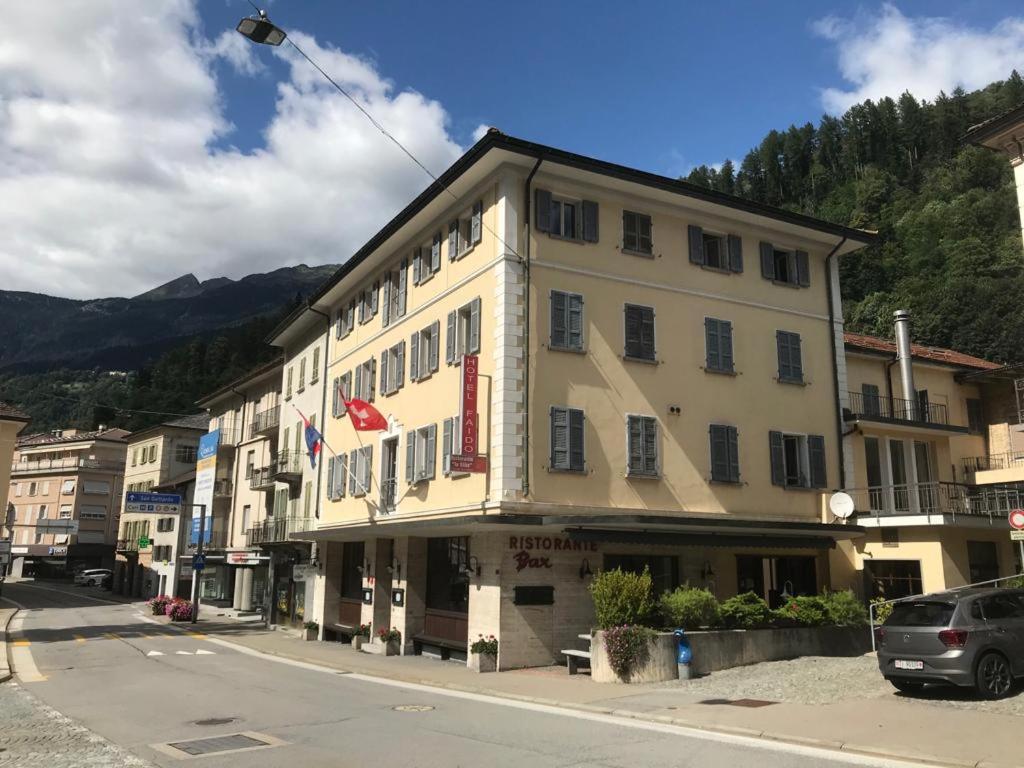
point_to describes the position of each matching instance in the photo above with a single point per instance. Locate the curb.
(6, 668)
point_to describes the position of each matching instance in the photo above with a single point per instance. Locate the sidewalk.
(889, 726)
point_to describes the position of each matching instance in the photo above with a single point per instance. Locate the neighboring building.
(66, 490)
(12, 423)
(658, 389)
(255, 400)
(157, 458)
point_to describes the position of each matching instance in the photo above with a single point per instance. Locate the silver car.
(971, 638)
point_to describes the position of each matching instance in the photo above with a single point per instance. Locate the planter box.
(357, 641)
(310, 634)
(482, 662)
(393, 648)
(714, 650)
(659, 667)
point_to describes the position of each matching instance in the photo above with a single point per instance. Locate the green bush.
(746, 611)
(882, 609)
(689, 608)
(845, 609)
(803, 611)
(1015, 583)
(621, 598)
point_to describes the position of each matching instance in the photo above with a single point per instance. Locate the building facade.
(12, 423)
(66, 489)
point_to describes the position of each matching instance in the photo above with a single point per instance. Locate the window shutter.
(630, 241)
(338, 323)
(403, 278)
(386, 315)
(767, 261)
(543, 210)
(575, 306)
(735, 243)
(474, 326)
(341, 475)
(429, 465)
(576, 456)
(719, 453)
(632, 331)
(711, 344)
(635, 459)
(476, 222)
(696, 236)
(435, 253)
(435, 343)
(725, 342)
(796, 362)
(334, 399)
(359, 382)
(778, 457)
(346, 391)
(647, 334)
(732, 436)
(590, 230)
(446, 447)
(650, 445)
(330, 479)
(353, 468)
(450, 341)
(410, 456)
(414, 357)
(416, 265)
(384, 389)
(816, 456)
(783, 347)
(803, 269)
(373, 378)
(375, 298)
(453, 240)
(400, 366)
(367, 468)
(559, 331)
(559, 438)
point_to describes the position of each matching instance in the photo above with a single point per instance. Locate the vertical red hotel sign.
(468, 458)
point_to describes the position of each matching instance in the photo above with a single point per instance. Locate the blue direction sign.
(198, 562)
(135, 501)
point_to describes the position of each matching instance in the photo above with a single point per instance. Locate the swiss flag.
(365, 418)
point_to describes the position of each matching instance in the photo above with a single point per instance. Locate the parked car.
(92, 577)
(970, 638)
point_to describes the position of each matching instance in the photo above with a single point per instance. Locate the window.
(447, 584)
(135, 457)
(64, 512)
(664, 569)
(185, 454)
(725, 458)
(366, 380)
(785, 266)
(341, 394)
(39, 538)
(345, 320)
(337, 477)
(152, 453)
(307, 498)
(92, 512)
(718, 345)
(352, 563)
(798, 461)
(872, 404)
(975, 416)
(421, 454)
(360, 469)
(983, 561)
(463, 332)
(41, 513)
(791, 367)
(890, 537)
(17, 490)
(566, 321)
(724, 252)
(639, 333)
(32, 488)
(893, 579)
(426, 260)
(250, 464)
(642, 439)
(368, 302)
(567, 438)
(465, 231)
(302, 375)
(395, 292)
(314, 374)
(636, 233)
(566, 218)
(67, 488)
(999, 607)
(450, 445)
(392, 369)
(423, 351)
(45, 490)
(288, 383)
(96, 487)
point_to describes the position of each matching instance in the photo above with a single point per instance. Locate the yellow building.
(657, 378)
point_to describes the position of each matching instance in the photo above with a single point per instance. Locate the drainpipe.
(525, 260)
(903, 355)
(835, 353)
(323, 404)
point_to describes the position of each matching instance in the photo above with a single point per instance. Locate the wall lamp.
(707, 572)
(364, 569)
(395, 568)
(585, 569)
(472, 567)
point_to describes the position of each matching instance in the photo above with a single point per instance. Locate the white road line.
(201, 652)
(155, 653)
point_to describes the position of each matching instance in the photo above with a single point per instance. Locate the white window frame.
(657, 448)
(423, 369)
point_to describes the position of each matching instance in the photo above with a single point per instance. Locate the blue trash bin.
(684, 654)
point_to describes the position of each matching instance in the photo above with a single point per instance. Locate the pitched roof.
(9, 413)
(47, 438)
(197, 421)
(935, 354)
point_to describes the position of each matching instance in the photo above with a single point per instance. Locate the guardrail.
(277, 529)
(49, 465)
(936, 498)
(896, 409)
(261, 479)
(1008, 460)
(265, 421)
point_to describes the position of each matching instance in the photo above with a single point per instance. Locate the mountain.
(950, 247)
(45, 332)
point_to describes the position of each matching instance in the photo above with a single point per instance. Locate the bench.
(574, 658)
(445, 645)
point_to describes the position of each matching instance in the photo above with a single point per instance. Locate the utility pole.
(198, 560)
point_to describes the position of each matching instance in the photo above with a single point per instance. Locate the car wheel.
(993, 680)
(906, 686)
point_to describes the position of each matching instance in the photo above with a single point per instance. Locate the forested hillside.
(951, 236)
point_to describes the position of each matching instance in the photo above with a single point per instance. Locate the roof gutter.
(835, 358)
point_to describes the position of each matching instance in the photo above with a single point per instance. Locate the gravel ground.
(823, 680)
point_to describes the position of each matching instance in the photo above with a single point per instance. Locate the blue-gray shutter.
(635, 448)
(414, 357)
(577, 460)
(384, 372)
(630, 235)
(543, 210)
(386, 314)
(719, 453)
(476, 223)
(410, 456)
(446, 447)
(474, 326)
(647, 333)
(634, 344)
(375, 297)
(574, 310)
(559, 438)
(734, 454)
(435, 343)
(417, 265)
(559, 322)
(590, 227)
(335, 408)
(367, 467)
(341, 475)
(803, 268)
(435, 253)
(725, 344)
(796, 361)
(778, 457)
(359, 382)
(450, 341)
(712, 347)
(430, 460)
(330, 479)
(453, 240)
(816, 456)
(353, 468)
(696, 237)
(767, 261)
(782, 343)
(735, 253)
(650, 426)
(403, 278)
(373, 378)
(400, 366)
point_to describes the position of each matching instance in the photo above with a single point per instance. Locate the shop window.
(351, 575)
(664, 569)
(983, 561)
(893, 579)
(447, 582)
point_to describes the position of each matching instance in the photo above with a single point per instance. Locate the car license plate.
(904, 664)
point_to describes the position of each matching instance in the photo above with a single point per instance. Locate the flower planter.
(482, 662)
(392, 648)
(659, 666)
(357, 642)
(310, 633)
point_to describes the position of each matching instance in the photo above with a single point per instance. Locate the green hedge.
(622, 598)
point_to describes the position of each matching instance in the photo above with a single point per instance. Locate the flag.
(365, 418)
(313, 439)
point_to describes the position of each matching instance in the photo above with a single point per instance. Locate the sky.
(143, 141)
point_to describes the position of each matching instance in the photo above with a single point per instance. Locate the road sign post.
(198, 561)
(1016, 518)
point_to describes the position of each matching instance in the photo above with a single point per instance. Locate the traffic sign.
(198, 562)
(1016, 519)
(165, 503)
(144, 542)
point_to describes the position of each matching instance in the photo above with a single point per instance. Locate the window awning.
(664, 538)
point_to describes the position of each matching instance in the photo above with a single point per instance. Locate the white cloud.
(886, 53)
(110, 171)
(480, 131)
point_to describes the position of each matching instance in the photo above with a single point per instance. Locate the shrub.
(389, 635)
(628, 647)
(689, 608)
(621, 598)
(882, 609)
(845, 609)
(488, 645)
(1015, 583)
(179, 610)
(312, 625)
(746, 611)
(803, 611)
(364, 631)
(159, 604)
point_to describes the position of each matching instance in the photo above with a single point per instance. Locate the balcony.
(288, 466)
(276, 530)
(995, 468)
(899, 412)
(222, 488)
(127, 545)
(64, 465)
(262, 479)
(265, 422)
(948, 500)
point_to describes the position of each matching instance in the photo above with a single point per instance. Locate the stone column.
(330, 558)
(236, 600)
(245, 577)
(381, 559)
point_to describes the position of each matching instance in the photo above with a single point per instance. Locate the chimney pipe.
(901, 319)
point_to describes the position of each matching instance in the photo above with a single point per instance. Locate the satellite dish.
(841, 505)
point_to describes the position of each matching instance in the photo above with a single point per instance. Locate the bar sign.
(470, 380)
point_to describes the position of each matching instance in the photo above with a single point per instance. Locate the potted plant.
(179, 610)
(361, 636)
(159, 605)
(483, 654)
(390, 640)
(311, 630)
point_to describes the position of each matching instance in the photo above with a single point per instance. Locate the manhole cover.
(218, 744)
(215, 721)
(412, 708)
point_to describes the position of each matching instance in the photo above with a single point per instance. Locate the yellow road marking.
(21, 643)
(78, 638)
(197, 635)
(111, 636)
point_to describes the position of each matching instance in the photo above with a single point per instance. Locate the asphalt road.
(144, 686)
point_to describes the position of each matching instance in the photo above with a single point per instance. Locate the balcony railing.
(1011, 460)
(265, 422)
(935, 498)
(288, 466)
(127, 545)
(261, 479)
(277, 529)
(896, 409)
(50, 465)
(388, 494)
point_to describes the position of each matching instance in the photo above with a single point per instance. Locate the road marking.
(197, 635)
(201, 652)
(183, 653)
(78, 638)
(111, 636)
(21, 643)
(155, 653)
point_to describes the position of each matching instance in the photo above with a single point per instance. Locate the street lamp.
(261, 30)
